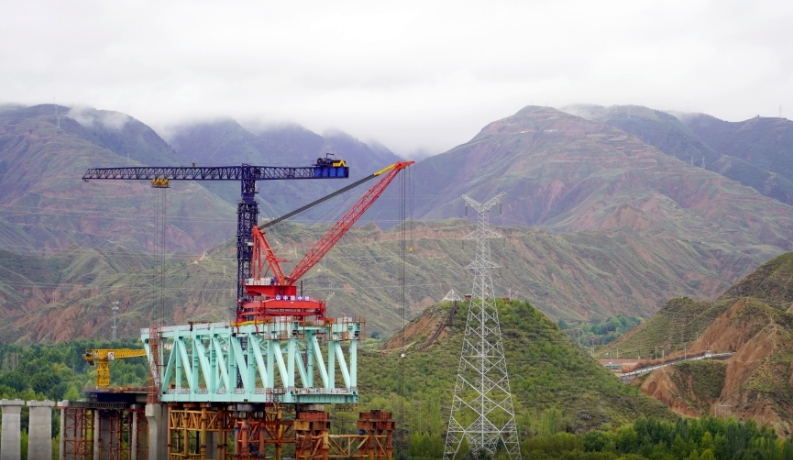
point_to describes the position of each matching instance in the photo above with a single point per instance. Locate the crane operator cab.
(328, 161)
(330, 167)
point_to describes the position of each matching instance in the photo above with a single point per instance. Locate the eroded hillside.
(755, 382)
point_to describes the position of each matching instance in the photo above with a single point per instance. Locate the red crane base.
(270, 301)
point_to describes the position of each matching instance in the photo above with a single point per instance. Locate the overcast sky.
(413, 75)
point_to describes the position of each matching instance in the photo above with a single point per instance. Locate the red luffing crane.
(276, 295)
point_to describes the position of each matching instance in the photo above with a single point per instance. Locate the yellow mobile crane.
(102, 357)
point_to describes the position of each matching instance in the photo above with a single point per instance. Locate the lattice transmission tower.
(482, 411)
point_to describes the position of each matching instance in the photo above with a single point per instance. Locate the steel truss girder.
(288, 361)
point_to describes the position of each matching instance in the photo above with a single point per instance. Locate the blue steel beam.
(258, 363)
(238, 173)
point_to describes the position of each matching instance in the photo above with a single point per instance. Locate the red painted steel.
(278, 296)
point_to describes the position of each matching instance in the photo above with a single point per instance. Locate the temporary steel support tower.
(274, 361)
(482, 411)
(247, 175)
(103, 430)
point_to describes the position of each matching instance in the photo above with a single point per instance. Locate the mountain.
(226, 142)
(45, 150)
(547, 371)
(619, 226)
(752, 319)
(670, 135)
(566, 173)
(763, 141)
(571, 275)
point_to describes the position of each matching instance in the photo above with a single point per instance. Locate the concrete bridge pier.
(40, 429)
(10, 446)
(157, 416)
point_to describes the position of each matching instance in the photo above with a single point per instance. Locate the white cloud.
(413, 75)
(87, 116)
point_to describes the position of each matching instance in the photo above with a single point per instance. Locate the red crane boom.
(262, 247)
(316, 253)
(277, 296)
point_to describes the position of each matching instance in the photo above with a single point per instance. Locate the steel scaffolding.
(77, 433)
(98, 431)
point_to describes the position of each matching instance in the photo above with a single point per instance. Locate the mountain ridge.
(672, 135)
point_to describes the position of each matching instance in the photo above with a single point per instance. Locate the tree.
(551, 421)
(707, 454)
(706, 442)
(72, 394)
(595, 441)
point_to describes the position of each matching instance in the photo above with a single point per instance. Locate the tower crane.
(247, 175)
(276, 295)
(102, 357)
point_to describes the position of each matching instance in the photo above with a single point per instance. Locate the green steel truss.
(282, 361)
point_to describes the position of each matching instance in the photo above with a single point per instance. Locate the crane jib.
(244, 172)
(247, 175)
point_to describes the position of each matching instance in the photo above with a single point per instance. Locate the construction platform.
(233, 391)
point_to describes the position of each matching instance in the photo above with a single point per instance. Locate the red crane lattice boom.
(316, 253)
(277, 296)
(262, 247)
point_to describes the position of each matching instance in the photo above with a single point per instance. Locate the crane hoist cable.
(324, 198)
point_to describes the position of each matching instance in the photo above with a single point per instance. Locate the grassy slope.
(751, 319)
(768, 285)
(680, 317)
(546, 369)
(704, 378)
(771, 283)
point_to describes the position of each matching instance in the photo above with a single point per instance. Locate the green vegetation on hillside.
(682, 320)
(753, 320)
(560, 394)
(677, 324)
(549, 374)
(707, 438)
(597, 331)
(568, 275)
(772, 283)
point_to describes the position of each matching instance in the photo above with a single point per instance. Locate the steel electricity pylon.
(482, 411)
